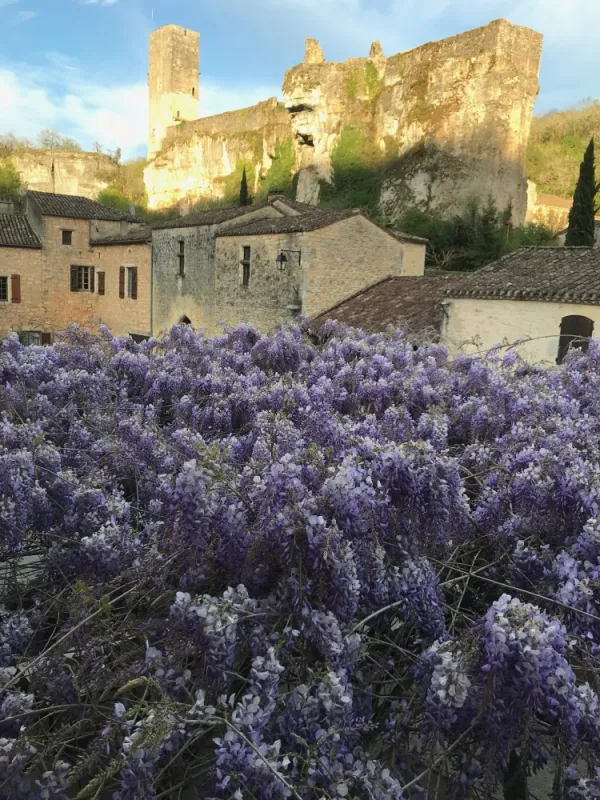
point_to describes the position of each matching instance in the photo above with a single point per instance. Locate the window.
(3, 289)
(132, 282)
(139, 337)
(575, 331)
(246, 258)
(67, 237)
(82, 279)
(193, 92)
(101, 283)
(181, 257)
(30, 337)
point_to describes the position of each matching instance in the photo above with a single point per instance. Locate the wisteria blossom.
(301, 565)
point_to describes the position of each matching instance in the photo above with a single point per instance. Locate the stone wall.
(193, 295)
(331, 267)
(47, 302)
(197, 157)
(26, 315)
(340, 259)
(64, 171)
(441, 124)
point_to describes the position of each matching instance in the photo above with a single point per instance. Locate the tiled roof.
(15, 231)
(552, 274)
(553, 200)
(410, 301)
(141, 235)
(212, 217)
(300, 223)
(67, 205)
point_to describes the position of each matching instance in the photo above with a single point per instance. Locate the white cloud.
(4, 3)
(99, 2)
(25, 16)
(62, 97)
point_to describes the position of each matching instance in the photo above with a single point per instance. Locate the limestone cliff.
(439, 124)
(205, 158)
(64, 171)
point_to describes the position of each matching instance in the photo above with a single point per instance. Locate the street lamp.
(282, 259)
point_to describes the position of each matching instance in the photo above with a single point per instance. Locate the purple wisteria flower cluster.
(301, 565)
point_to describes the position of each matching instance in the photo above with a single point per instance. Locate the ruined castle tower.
(172, 80)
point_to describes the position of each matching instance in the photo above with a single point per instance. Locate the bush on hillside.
(289, 566)
(10, 180)
(473, 240)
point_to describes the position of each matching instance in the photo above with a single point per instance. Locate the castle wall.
(444, 122)
(197, 157)
(441, 124)
(64, 171)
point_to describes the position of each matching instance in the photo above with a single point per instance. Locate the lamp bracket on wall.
(283, 258)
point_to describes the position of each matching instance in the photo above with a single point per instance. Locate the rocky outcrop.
(439, 125)
(64, 171)
(205, 158)
(445, 122)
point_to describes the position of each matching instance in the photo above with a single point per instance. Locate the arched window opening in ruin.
(193, 92)
(185, 321)
(575, 331)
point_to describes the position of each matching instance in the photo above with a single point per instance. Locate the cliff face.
(438, 125)
(64, 171)
(205, 158)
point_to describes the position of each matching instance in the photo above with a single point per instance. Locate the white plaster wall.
(472, 325)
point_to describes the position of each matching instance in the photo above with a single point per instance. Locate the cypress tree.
(244, 194)
(580, 232)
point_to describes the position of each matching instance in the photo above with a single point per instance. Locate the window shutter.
(100, 283)
(92, 286)
(73, 279)
(122, 282)
(46, 338)
(15, 288)
(134, 283)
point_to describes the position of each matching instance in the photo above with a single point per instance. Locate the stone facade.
(442, 123)
(48, 303)
(27, 314)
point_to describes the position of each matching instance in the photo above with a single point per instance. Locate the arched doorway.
(575, 331)
(185, 321)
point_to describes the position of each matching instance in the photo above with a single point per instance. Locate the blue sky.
(79, 66)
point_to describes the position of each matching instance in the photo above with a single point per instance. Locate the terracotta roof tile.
(74, 207)
(552, 274)
(15, 231)
(410, 301)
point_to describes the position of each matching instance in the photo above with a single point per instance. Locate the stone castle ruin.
(436, 126)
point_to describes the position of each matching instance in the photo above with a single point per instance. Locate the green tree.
(10, 180)
(114, 199)
(580, 232)
(244, 193)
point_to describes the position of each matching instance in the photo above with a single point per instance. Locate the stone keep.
(172, 80)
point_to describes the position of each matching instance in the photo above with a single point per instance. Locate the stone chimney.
(7, 205)
(313, 53)
(131, 211)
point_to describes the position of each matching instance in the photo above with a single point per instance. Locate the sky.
(79, 66)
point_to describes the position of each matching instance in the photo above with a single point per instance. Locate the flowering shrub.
(296, 566)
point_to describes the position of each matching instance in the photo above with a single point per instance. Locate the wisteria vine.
(308, 566)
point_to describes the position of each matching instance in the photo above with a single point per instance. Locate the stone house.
(81, 262)
(266, 264)
(545, 298)
(68, 259)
